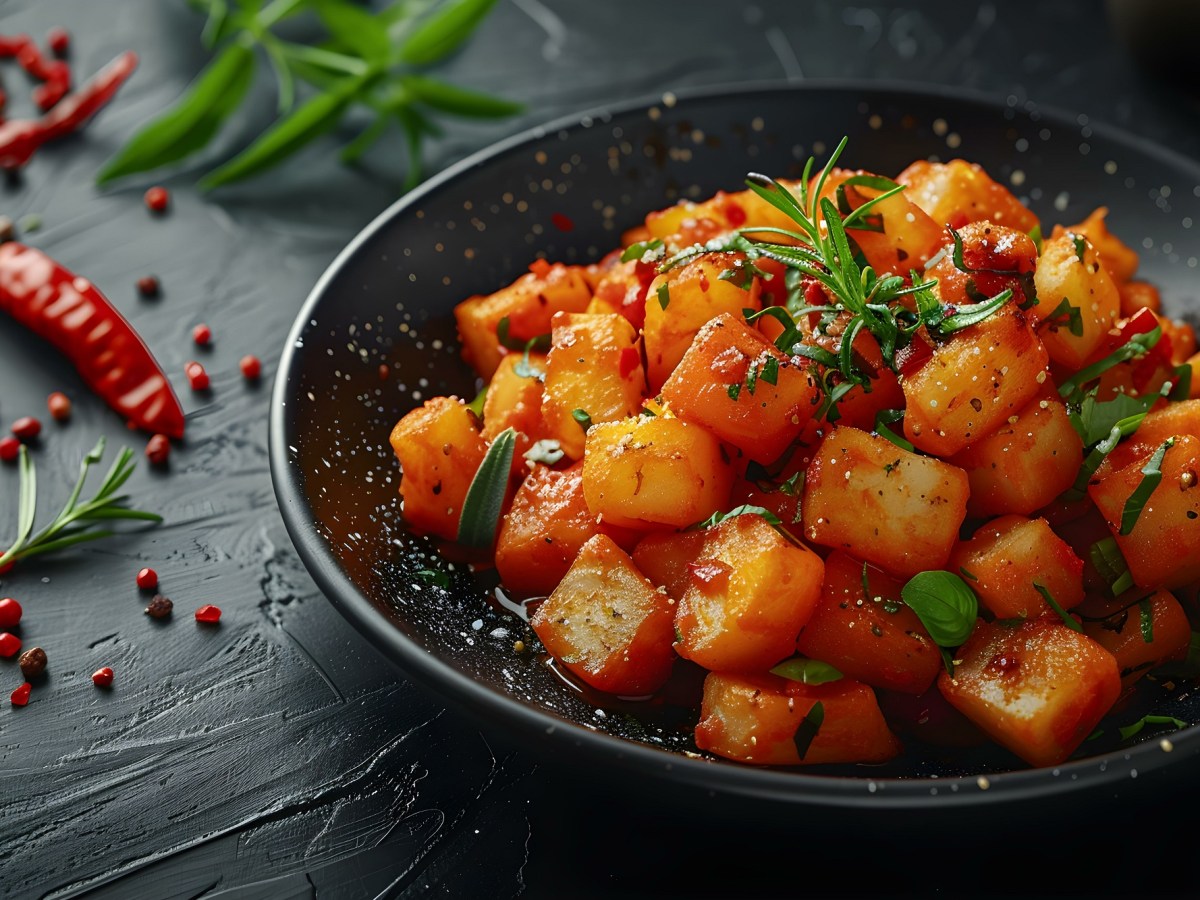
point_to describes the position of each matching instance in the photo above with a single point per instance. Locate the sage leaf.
(485, 497)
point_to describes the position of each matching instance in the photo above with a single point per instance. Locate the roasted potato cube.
(1135, 295)
(1038, 688)
(1162, 548)
(514, 401)
(1142, 630)
(900, 510)
(1026, 463)
(595, 364)
(767, 720)
(1007, 555)
(544, 529)
(995, 258)
(750, 592)
(528, 304)
(1069, 270)
(735, 383)
(607, 624)
(958, 192)
(439, 448)
(1119, 260)
(681, 301)
(862, 627)
(655, 471)
(973, 382)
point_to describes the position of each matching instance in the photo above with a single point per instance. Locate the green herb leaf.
(1066, 313)
(744, 510)
(944, 603)
(581, 416)
(1110, 563)
(1080, 243)
(734, 391)
(435, 577)
(1035, 234)
(1137, 346)
(1129, 731)
(442, 32)
(807, 671)
(1151, 476)
(886, 417)
(355, 28)
(449, 98)
(807, 730)
(192, 122)
(664, 295)
(485, 497)
(1066, 617)
(1146, 615)
(643, 251)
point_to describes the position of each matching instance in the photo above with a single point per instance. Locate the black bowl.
(566, 191)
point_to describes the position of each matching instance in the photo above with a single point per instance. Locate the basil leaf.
(485, 497)
(1067, 618)
(1151, 476)
(443, 31)
(192, 122)
(459, 101)
(807, 730)
(307, 122)
(807, 671)
(944, 603)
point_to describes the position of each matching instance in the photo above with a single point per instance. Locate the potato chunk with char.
(654, 471)
(863, 628)
(768, 720)
(1142, 631)
(439, 448)
(900, 510)
(748, 594)
(735, 383)
(1117, 258)
(958, 192)
(607, 624)
(1038, 688)
(973, 382)
(995, 258)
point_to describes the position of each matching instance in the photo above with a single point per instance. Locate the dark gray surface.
(279, 755)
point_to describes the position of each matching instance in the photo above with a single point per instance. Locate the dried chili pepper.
(75, 317)
(20, 138)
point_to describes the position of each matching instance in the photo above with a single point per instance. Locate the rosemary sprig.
(820, 248)
(77, 522)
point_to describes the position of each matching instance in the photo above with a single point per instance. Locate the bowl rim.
(792, 787)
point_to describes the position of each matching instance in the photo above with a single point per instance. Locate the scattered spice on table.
(103, 677)
(10, 644)
(148, 286)
(26, 428)
(20, 696)
(160, 607)
(147, 579)
(157, 198)
(10, 447)
(208, 614)
(32, 663)
(72, 313)
(202, 335)
(59, 405)
(58, 39)
(10, 613)
(251, 367)
(158, 449)
(196, 376)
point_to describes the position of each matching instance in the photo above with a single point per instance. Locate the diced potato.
(780, 490)
(858, 408)
(1163, 547)
(958, 192)
(1038, 688)
(1136, 295)
(689, 222)
(666, 558)
(655, 471)
(595, 364)
(1004, 559)
(1025, 464)
(607, 624)
(735, 383)
(1064, 273)
(622, 289)
(862, 628)
(694, 293)
(544, 529)
(865, 495)
(439, 448)
(1181, 336)
(1142, 632)
(515, 401)
(909, 237)
(973, 382)
(1182, 417)
(750, 592)
(1119, 260)
(528, 303)
(929, 718)
(758, 718)
(996, 258)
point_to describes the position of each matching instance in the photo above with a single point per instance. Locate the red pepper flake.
(103, 677)
(703, 283)
(196, 376)
(10, 448)
(208, 614)
(251, 367)
(384, 371)
(30, 58)
(157, 198)
(562, 223)
(734, 214)
(59, 40)
(20, 696)
(10, 613)
(630, 360)
(148, 286)
(147, 579)
(59, 405)
(26, 428)
(202, 335)
(540, 268)
(10, 644)
(158, 448)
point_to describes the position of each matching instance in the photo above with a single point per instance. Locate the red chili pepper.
(20, 138)
(75, 317)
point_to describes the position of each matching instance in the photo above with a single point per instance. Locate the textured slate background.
(279, 755)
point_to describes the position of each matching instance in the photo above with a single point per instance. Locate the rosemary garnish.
(77, 521)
